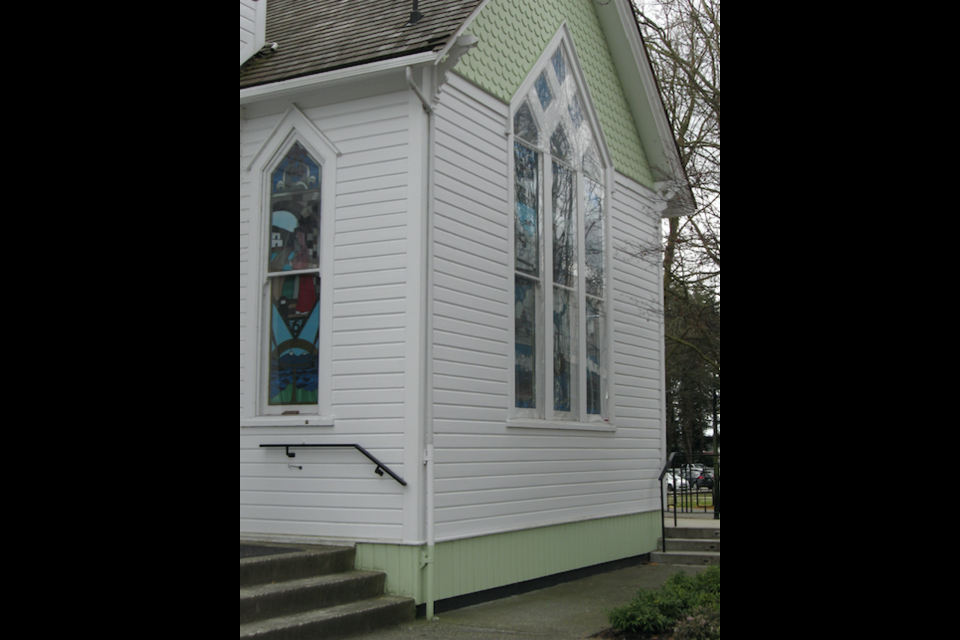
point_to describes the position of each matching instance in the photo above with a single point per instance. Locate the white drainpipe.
(428, 558)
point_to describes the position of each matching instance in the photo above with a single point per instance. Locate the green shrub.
(682, 597)
(704, 624)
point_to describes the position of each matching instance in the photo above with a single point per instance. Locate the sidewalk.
(693, 521)
(571, 611)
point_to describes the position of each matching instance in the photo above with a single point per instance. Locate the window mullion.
(286, 274)
(549, 387)
(581, 198)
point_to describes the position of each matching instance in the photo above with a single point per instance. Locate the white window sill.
(523, 423)
(287, 421)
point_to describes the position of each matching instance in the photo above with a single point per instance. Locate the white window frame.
(294, 127)
(546, 417)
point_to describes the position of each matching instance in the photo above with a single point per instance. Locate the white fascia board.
(641, 89)
(298, 85)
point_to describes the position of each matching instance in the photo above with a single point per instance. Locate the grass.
(686, 607)
(692, 500)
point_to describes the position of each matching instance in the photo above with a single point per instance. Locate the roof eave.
(643, 94)
(288, 88)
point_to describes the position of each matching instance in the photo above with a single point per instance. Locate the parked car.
(691, 472)
(705, 480)
(675, 482)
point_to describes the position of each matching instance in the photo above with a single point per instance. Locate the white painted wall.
(253, 19)
(337, 494)
(490, 477)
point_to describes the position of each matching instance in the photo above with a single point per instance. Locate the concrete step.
(334, 623)
(297, 565)
(702, 559)
(277, 600)
(691, 545)
(694, 533)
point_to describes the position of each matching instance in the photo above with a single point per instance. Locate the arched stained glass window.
(294, 276)
(560, 250)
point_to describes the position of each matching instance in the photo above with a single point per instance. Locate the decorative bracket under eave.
(461, 47)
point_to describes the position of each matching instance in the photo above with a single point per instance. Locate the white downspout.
(441, 66)
(428, 558)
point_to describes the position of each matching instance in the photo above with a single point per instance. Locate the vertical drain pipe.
(428, 558)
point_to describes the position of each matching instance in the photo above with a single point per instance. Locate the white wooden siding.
(337, 495)
(252, 22)
(492, 478)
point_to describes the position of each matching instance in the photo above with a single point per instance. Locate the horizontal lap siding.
(248, 17)
(637, 330)
(337, 495)
(248, 28)
(491, 478)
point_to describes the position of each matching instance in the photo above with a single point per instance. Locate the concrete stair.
(315, 593)
(689, 546)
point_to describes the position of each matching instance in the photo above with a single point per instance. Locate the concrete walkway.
(693, 521)
(571, 611)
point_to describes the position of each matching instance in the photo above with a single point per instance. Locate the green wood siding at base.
(514, 33)
(488, 562)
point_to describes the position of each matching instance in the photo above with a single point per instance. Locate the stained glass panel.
(560, 144)
(527, 240)
(566, 262)
(526, 343)
(525, 126)
(564, 349)
(595, 241)
(560, 65)
(543, 91)
(596, 321)
(294, 339)
(295, 213)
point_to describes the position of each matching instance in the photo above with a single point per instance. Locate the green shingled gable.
(513, 35)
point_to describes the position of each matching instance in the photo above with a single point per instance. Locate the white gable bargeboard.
(252, 27)
(335, 494)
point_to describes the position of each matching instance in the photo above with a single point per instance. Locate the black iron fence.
(691, 484)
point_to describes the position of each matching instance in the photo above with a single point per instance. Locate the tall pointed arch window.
(560, 250)
(286, 289)
(293, 272)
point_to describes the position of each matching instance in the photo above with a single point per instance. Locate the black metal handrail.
(381, 468)
(685, 498)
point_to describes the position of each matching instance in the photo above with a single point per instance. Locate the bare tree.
(683, 40)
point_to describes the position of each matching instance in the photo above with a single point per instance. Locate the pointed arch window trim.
(573, 69)
(294, 128)
(547, 415)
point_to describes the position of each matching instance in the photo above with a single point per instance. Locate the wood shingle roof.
(316, 36)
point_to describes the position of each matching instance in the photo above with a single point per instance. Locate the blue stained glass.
(294, 241)
(297, 172)
(527, 232)
(543, 91)
(526, 343)
(560, 65)
(295, 340)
